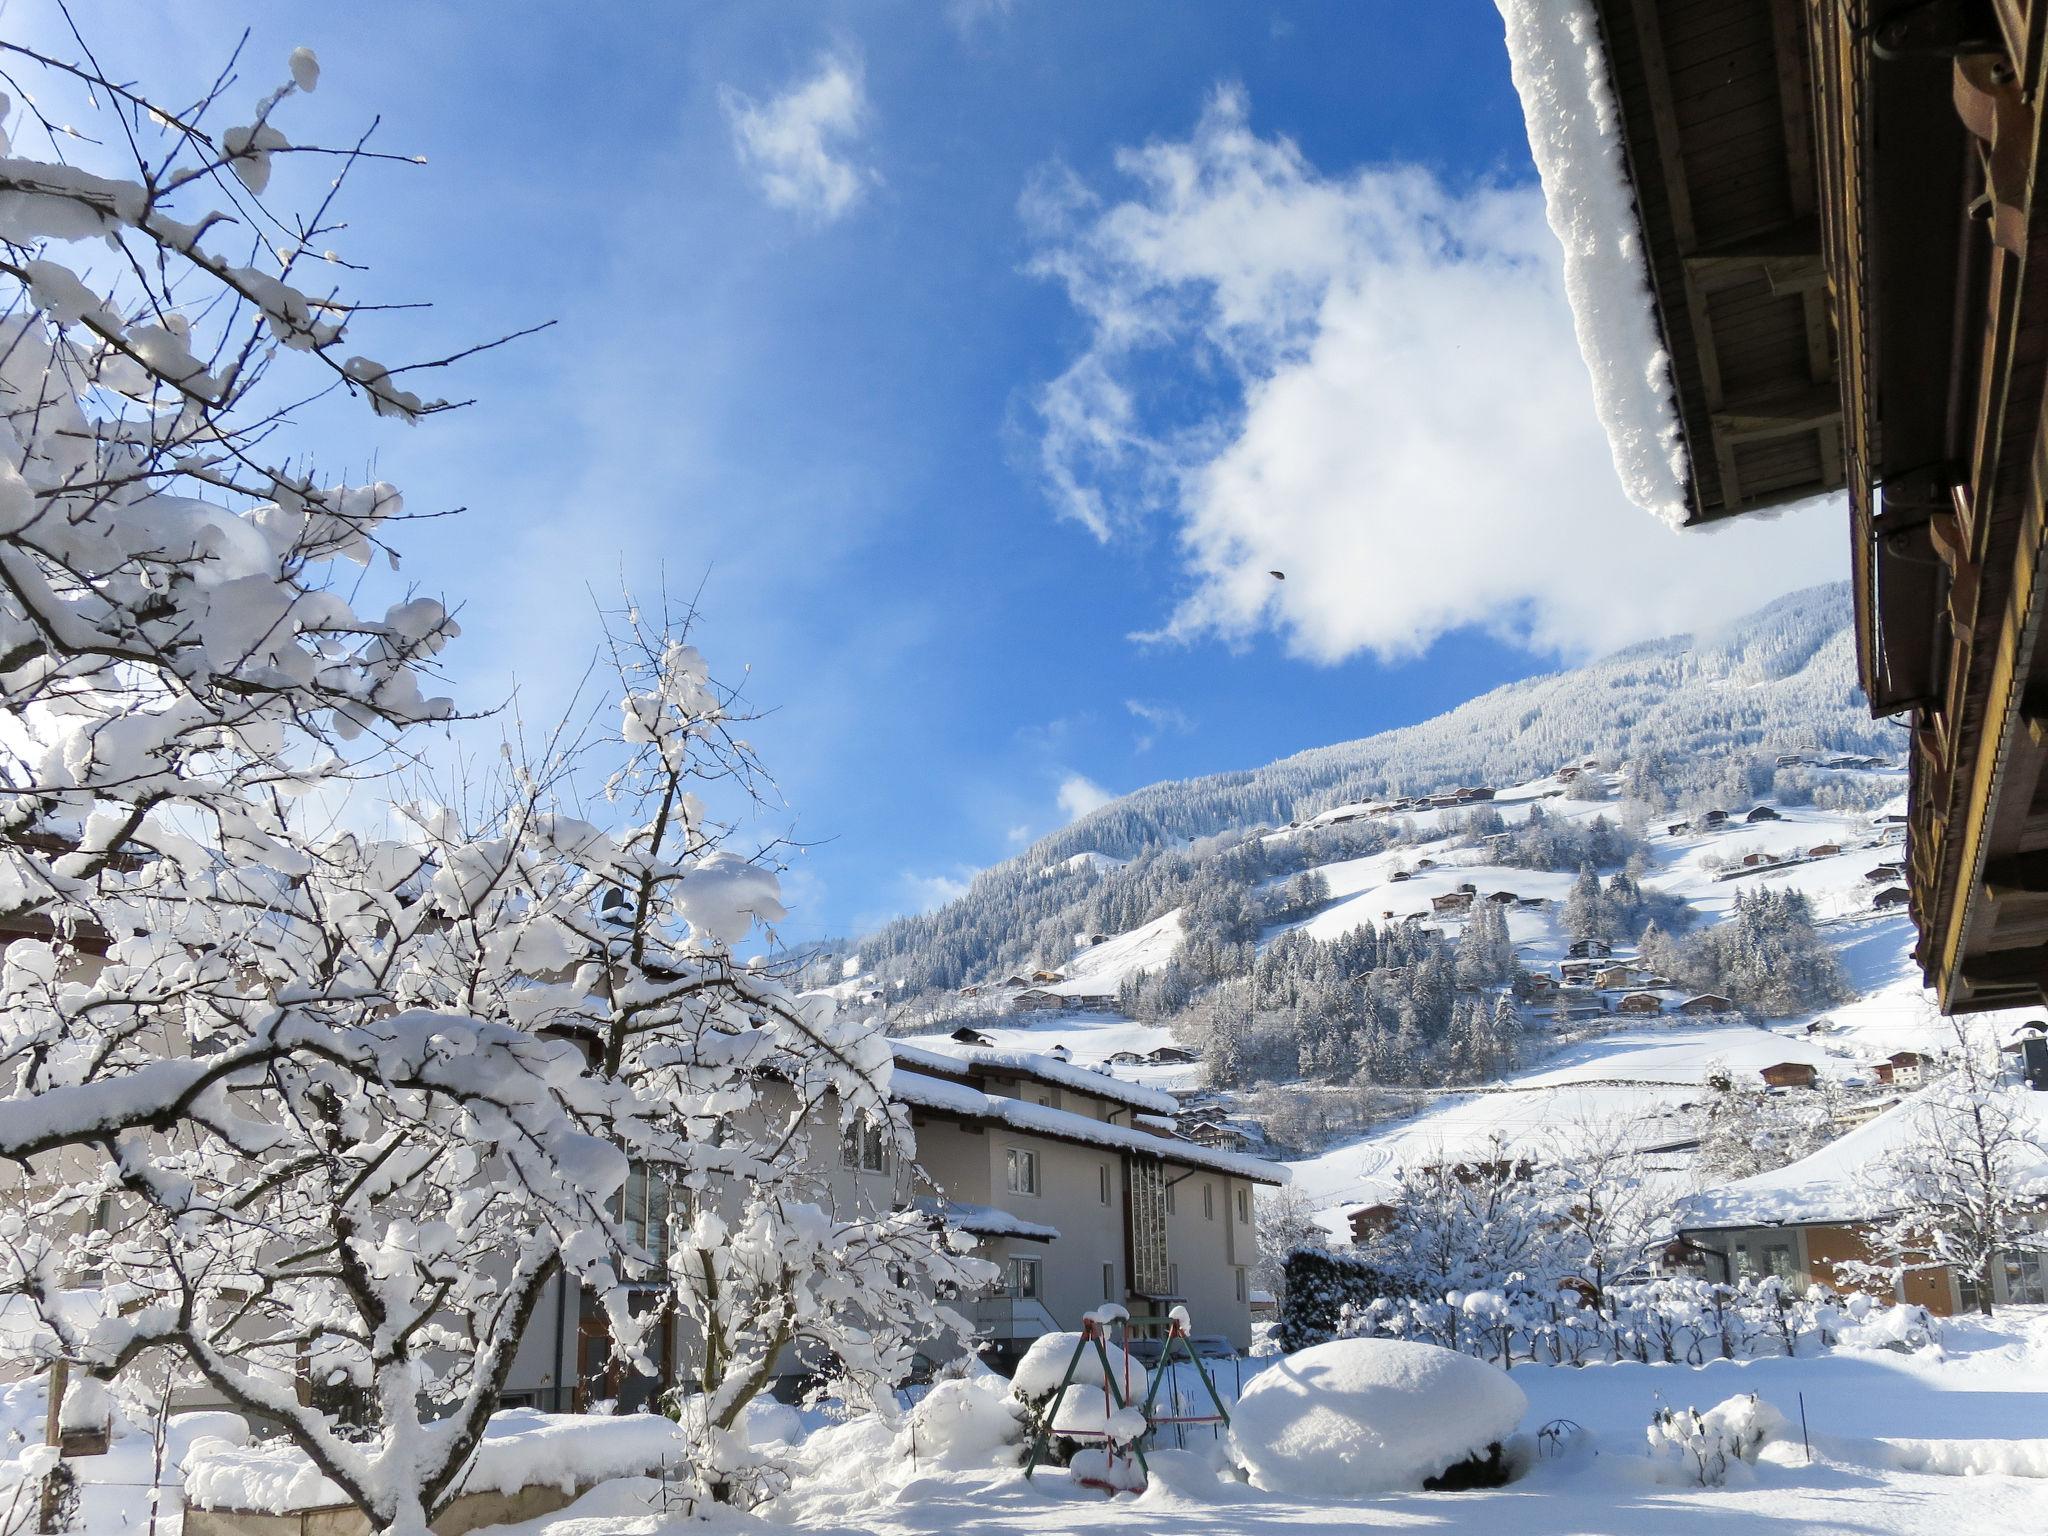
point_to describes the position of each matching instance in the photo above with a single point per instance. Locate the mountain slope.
(1703, 718)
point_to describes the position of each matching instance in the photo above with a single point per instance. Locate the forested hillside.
(1679, 725)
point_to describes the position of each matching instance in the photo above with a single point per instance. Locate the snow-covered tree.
(1965, 1190)
(317, 1117)
(1585, 912)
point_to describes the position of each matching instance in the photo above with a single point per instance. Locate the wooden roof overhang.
(1840, 198)
(1717, 123)
(1930, 143)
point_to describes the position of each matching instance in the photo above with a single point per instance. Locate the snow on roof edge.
(959, 1099)
(1560, 73)
(1046, 1069)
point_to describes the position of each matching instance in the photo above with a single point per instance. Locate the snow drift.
(1363, 1416)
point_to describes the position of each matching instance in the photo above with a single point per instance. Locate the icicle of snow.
(1560, 72)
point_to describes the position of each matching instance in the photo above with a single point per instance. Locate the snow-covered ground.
(1948, 1440)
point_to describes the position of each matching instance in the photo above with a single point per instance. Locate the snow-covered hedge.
(1361, 1416)
(1320, 1286)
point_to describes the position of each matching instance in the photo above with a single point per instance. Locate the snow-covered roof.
(955, 1098)
(987, 1220)
(1560, 72)
(1843, 1181)
(954, 1057)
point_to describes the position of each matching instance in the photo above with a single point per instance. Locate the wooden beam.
(2017, 874)
(1685, 233)
(2006, 970)
(1786, 272)
(1786, 25)
(1776, 413)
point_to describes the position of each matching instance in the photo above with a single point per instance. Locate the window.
(1244, 1206)
(1169, 1199)
(1023, 1282)
(1243, 1290)
(2026, 1276)
(1146, 1214)
(1023, 1171)
(1208, 1201)
(864, 1149)
(1109, 1282)
(1105, 1183)
(644, 1209)
(1173, 1279)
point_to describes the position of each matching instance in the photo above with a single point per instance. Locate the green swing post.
(1041, 1442)
(1175, 1331)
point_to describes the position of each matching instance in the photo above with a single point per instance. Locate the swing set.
(1118, 1454)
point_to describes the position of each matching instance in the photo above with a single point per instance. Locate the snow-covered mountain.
(1371, 946)
(1706, 715)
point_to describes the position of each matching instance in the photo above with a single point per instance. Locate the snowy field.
(1952, 1440)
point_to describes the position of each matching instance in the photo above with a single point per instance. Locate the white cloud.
(1406, 428)
(1156, 719)
(1080, 795)
(970, 16)
(927, 893)
(796, 144)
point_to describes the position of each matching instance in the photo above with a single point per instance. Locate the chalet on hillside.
(1170, 1056)
(1712, 819)
(1762, 813)
(1905, 1069)
(1542, 984)
(1502, 898)
(1640, 1003)
(1823, 850)
(1399, 875)
(1705, 1004)
(1451, 903)
(1883, 874)
(1589, 949)
(1034, 999)
(1890, 897)
(1369, 1221)
(1802, 1222)
(965, 1035)
(1789, 1074)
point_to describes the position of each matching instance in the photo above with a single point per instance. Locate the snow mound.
(1369, 1416)
(970, 1422)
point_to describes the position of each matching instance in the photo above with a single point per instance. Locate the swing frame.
(1095, 1334)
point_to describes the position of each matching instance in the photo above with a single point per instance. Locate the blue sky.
(978, 360)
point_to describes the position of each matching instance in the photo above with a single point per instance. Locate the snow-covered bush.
(969, 1420)
(1688, 1446)
(1360, 1416)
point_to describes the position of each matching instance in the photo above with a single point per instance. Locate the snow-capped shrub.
(1360, 1416)
(968, 1421)
(1688, 1446)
